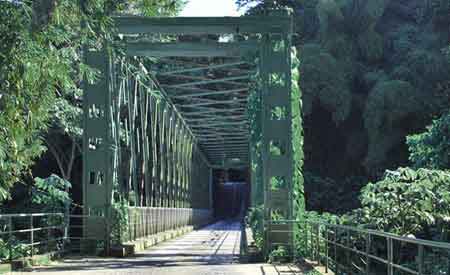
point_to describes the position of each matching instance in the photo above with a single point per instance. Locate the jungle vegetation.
(375, 81)
(41, 69)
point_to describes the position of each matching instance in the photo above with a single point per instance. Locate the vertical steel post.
(32, 235)
(390, 255)
(421, 260)
(368, 248)
(277, 165)
(99, 151)
(327, 256)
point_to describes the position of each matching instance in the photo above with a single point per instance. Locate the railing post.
(421, 259)
(31, 235)
(368, 245)
(10, 227)
(348, 252)
(318, 243)
(130, 227)
(336, 265)
(305, 233)
(390, 253)
(326, 249)
(49, 235)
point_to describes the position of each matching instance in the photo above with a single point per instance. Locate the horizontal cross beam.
(211, 81)
(229, 149)
(197, 69)
(190, 49)
(210, 93)
(219, 124)
(209, 110)
(280, 23)
(217, 118)
(215, 102)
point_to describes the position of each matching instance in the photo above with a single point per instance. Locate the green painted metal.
(188, 49)
(211, 67)
(154, 137)
(233, 103)
(98, 146)
(213, 81)
(203, 25)
(275, 69)
(216, 118)
(211, 93)
(209, 111)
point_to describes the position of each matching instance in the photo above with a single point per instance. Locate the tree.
(40, 73)
(431, 149)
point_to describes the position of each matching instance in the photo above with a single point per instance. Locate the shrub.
(408, 201)
(255, 220)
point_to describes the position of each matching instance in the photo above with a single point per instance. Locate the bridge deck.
(213, 250)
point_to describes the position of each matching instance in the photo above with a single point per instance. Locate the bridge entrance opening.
(231, 193)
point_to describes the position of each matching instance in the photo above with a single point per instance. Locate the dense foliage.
(432, 148)
(413, 201)
(41, 69)
(408, 201)
(372, 73)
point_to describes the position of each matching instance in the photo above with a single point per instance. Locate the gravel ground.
(213, 250)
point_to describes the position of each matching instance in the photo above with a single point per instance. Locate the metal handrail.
(34, 231)
(320, 239)
(10, 233)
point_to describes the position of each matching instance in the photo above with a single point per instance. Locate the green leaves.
(431, 149)
(51, 193)
(407, 201)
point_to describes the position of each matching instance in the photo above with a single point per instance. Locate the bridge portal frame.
(273, 51)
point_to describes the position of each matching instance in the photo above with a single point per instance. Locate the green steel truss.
(155, 135)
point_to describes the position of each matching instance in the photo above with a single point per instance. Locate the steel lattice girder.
(233, 100)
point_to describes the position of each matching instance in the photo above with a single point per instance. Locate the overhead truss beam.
(212, 81)
(280, 24)
(187, 49)
(211, 93)
(212, 67)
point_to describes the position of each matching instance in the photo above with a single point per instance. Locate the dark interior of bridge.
(231, 192)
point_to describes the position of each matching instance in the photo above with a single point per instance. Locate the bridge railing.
(26, 235)
(350, 250)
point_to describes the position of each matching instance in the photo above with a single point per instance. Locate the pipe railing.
(26, 235)
(350, 250)
(30, 234)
